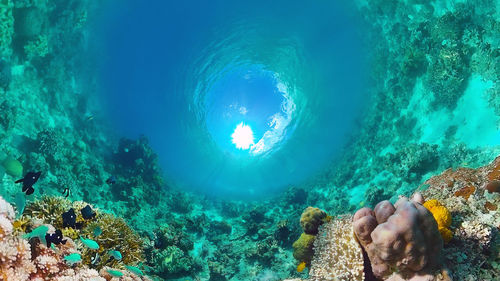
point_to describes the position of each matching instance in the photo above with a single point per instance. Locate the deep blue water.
(186, 73)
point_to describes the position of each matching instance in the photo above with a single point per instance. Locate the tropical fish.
(95, 259)
(69, 219)
(115, 254)
(91, 244)
(97, 231)
(115, 273)
(73, 258)
(55, 238)
(111, 180)
(20, 204)
(28, 181)
(38, 232)
(88, 213)
(134, 270)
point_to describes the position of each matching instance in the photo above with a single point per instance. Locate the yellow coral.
(431, 203)
(303, 248)
(70, 232)
(446, 234)
(442, 216)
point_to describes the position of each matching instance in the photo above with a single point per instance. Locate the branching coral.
(48, 209)
(116, 235)
(22, 261)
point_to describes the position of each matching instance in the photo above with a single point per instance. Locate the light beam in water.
(242, 136)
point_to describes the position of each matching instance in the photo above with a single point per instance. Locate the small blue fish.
(73, 258)
(115, 254)
(91, 244)
(115, 273)
(97, 231)
(134, 270)
(38, 232)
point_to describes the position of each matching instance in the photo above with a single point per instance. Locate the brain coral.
(311, 219)
(338, 255)
(402, 240)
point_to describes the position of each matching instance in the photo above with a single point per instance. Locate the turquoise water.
(178, 74)
(200, 131)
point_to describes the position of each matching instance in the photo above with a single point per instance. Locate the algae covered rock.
(303, 248)
(311, 219)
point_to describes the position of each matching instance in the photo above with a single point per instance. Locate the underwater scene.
(250, 140)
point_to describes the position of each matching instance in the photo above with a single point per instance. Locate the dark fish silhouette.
(111, 180)
(55, 238)
(88, 213)
(69, 219)
(28, 181)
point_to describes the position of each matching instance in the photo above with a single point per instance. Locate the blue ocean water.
(187, 73)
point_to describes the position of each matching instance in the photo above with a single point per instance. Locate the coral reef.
(426, 58)
(442, 217)
(473, 250)
(338, 253)
(311, 219)
(116, 234)
(402, 239)
(22, 260)
(303, 248)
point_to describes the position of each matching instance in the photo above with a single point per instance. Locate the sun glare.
(242, 136)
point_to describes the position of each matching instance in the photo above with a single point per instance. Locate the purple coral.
(402, 239)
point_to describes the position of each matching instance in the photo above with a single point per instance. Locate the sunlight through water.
(242, 136)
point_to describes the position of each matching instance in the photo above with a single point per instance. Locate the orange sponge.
(442, 216)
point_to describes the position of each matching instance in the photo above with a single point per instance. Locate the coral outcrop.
(22, 260)
(402, 239)
(115, 233)
(339, 256)
(303, 248)
(311, 219)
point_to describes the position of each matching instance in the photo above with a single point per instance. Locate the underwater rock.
(403, 239)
